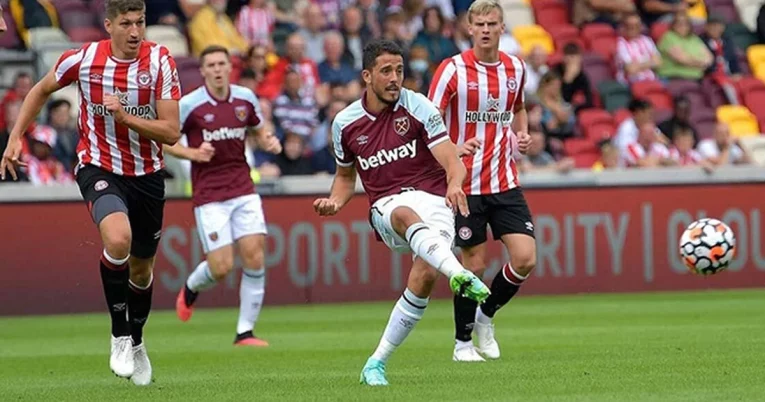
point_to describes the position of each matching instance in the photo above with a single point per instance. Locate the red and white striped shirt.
(255, 24)
(692, 157)
(635, 152)
(480, 101)
(636, 50)
(139, 83)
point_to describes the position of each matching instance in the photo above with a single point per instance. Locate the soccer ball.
(707, 246)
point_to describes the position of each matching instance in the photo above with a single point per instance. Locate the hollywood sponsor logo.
(492, 114)
(386, 156)
(224, 133)
(142, 111)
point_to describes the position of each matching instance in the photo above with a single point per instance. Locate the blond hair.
(483, 7)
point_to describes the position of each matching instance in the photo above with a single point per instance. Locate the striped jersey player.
(128, 108)
(480, 93)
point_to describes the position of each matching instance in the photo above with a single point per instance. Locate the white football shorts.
(431, 209)
(222, 223)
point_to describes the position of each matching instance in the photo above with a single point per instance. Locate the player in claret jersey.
(129, 92)
(396, 140)
(480, 92)
(215, 119)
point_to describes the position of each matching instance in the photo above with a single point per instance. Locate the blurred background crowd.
(611, 83)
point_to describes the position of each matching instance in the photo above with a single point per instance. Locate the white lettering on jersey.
(143, 111)
(385, 156)
(224, 133)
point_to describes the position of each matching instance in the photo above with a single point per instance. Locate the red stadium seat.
(586, 160)
(654, 92)
(596, 124)
(691, 90)
(577, 146)
(551, 13)
(621, 115)
(658, 30)
(86, 34)
(724, 8)
(746, 84)
(596, 68)
(713, 93)
(10, 39)
(704, 122)
(754, 99)
(565, 33)
(601, 39)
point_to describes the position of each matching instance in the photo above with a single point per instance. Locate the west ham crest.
(144, 79)
(241, 113)
(214, 236)
(401, 125)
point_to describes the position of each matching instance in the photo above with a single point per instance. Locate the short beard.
(385, 101)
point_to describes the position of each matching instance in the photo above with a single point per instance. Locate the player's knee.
(473, 259)
(253, 259)
(251, 251)
(403, 217)
(117, 239)
(141, 270)
(524, 263)
(220, 266)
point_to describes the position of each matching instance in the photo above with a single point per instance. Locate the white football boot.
(121, 359)
(466, 352)
(142, 373)
(487, 345)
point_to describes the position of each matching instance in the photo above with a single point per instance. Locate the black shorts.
(144, 197)
(506, 213)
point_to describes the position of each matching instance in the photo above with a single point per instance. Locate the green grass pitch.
(700, 346)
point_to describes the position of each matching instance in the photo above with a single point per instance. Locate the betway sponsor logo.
(385, 156)
(224, 133)
(143, 111)
(489, 117)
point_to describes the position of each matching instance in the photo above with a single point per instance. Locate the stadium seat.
(690, 89)
(748, 10)
(170, 37)
(704, 122)
(754, 99)
(10, 39)
(741, 35)
(86, 34)
(698, 10)
(759, 71)
(79, 17)
(621, 115)
(576, 146)
(42, 38)
(529, 36)
(596, 68)
(658, 30)
(724, 8)
(614, 95)
(746, 84)
(596, 124)
(563, 34)
(743, 63)
(654, 92)
(600, 39)
(713, 94)
(517, 14)
(756, 55)
(586, 160)
(551, 13)
(190, 80)
(741, 121)
(756, 148)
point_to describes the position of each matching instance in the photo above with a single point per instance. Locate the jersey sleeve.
(343, 155)
(444, 84)
(520, 98)
(424, 111)
(632, 154)
(67, 68)
(185, 107)
(255, 119)
(168, 82)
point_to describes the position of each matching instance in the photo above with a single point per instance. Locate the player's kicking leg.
(402, 228)
(252, 289)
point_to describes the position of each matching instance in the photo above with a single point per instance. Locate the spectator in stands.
(646, 151)
(627, 132)
(508, 44)
(356, 36)
(294, 112)
(684, 55)
(662, 11)
(22, 84)
(576, 86)
(30, 14)
(266, 168)
(432, 38)
(291, 161)
(680, 117)
(558, 117)
(723, 149)
(609, 156)
(761, 25)
(60, 119)
(42, 167)
(725, 69)
(412, 11)
(313, 32)
(11, 111)
(169, 12)
(323, 157)
(288, 15)
(462, 33)
(211, 26)
(600, 11)
(418, 70)
(248, 79)
(255, 21)
(537, 159)
(336, 72)
(370, 11)
(682, 151)
(3, 26)
(636, 55)
(393, 26)
(296, 60)
(536, 67)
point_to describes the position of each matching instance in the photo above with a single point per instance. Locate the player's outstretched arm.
(166, 129)
(33, 104)
(445, 153)
(343, 188)
(203, 154)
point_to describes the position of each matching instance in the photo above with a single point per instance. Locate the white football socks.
(405, 315)
(429, 245)
(201, 278)
(251, 293)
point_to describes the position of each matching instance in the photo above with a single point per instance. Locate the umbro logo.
(529, 226)
(209, 118)
(119, 307)
(158, 234)
(472, 85)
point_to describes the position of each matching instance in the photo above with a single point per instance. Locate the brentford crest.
(144, 79)
(241, 113)
(401, 125)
